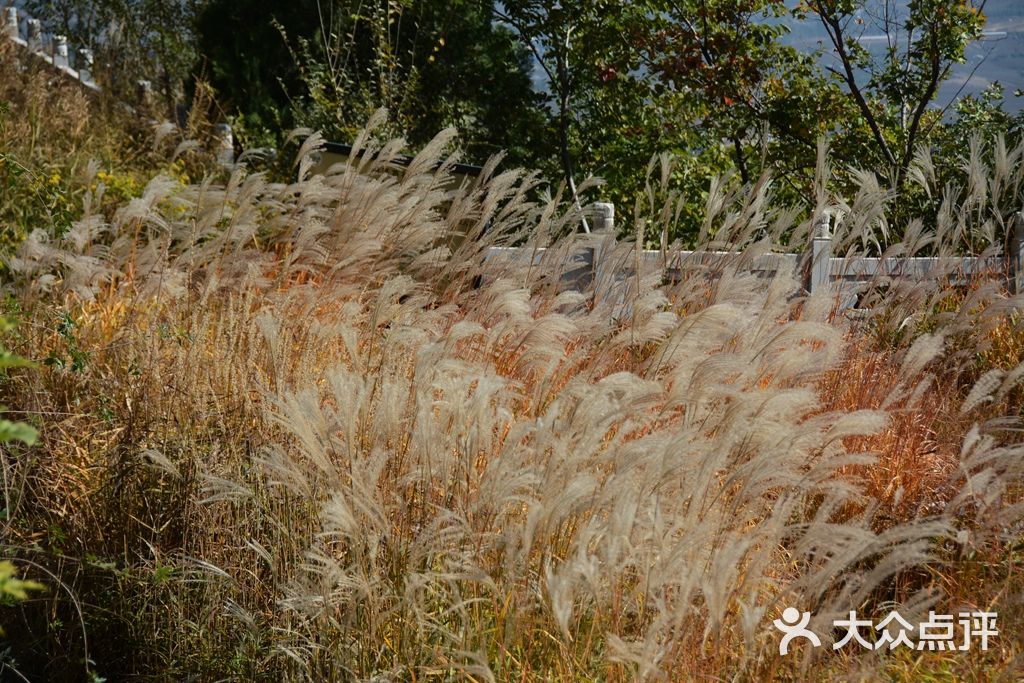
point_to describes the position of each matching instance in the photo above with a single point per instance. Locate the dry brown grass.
(918, 452)
(298, 444)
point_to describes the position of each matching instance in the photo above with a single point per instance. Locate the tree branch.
(934, 77)
(835, 34)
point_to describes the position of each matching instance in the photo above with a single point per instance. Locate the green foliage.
(73, 357)
(32, 192)
(17, 431)
(581, 89)
(250, 64)
(30, 196)
(722, 65)
(328, 65)
(13, 431)
(13, 589)
(893, 90)
(714, 83)
(709, 82)
(58, 146)
(730, 95)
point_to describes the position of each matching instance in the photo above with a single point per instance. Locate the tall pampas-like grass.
(321, 436)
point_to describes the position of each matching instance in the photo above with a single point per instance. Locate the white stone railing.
(598, 258)
(54, 50)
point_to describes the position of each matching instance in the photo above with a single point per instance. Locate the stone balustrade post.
(604, 216)
(1017, 254)
(602, 237)
(60, 51)
(11, 22)
(84, 64)
(225, 144)
(34, 34)
(144, 92)
(821, 255)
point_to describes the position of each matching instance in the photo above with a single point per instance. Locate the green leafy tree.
(706, 80)
(714, 82)
(251, 65)
(894, 90)
(330, 64)
(738, 95)
(560, 40)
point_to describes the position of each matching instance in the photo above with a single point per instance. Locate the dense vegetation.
(589, 88)
(278, 426)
